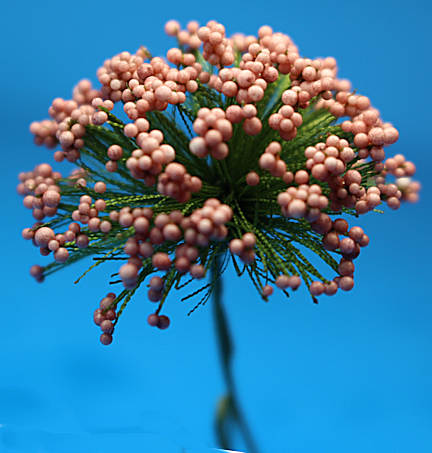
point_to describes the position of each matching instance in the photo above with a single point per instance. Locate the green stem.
(228, 405)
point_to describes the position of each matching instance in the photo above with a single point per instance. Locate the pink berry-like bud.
(43, 236)
(106, 339)
(153, 320)
(163, 322)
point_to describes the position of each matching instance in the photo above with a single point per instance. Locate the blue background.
(351, 374)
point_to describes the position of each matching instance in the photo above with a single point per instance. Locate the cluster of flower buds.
(252, 125)
(328, 159)
(104, 317)
(88, 214)
(177, 183)
(40, 190)
(46, 239)
(241, 43)
(286, 121)
(269, 112)
(311, 78)
(185, 256)
(44, 132)
(84, 93)
(244, 247)
(147, 161)
(115, 153)
(160, 321)
(116, 72)
(207, 223)
(71, 118)
(256, 70)
(365, 124)
(288, 281)
(270, 161)
(303, 201)
(204, 224)
(188, 37)
(348, 191)
(156, 289)
(399, 167)
(217, 49)
(283, 52)
(241, 84)
(409, 189)
(348, 246)
(145, 87)
(214, 130)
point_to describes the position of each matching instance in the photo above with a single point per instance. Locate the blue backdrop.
(352, 374)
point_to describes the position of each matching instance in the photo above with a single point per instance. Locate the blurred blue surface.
(351, 374)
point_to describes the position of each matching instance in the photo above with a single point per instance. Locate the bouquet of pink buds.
(229, 150)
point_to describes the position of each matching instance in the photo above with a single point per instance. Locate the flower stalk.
(228, 407)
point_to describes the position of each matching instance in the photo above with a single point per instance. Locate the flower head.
(229, 147)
